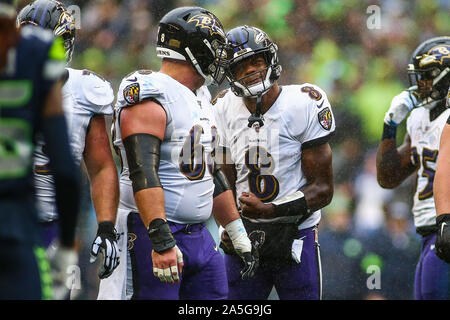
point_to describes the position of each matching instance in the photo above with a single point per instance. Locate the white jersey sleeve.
(139, 86)
(310, 121)
(91, 92)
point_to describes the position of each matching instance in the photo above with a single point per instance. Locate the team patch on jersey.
(325, 118)
(131, 93)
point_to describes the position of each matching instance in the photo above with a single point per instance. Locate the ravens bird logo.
(208, 22)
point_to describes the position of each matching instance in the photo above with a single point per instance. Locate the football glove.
(401, 105)
(442, 244)
(243, 247)
(61, 259)
(106, 243)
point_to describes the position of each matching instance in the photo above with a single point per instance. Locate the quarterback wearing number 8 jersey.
(277, 154)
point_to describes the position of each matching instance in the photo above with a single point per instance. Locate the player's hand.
(243, 247)
(105, 243)
(401, 105)
(253, 207)
(61, 259)
(251, 263)
(168, 265)
(442, 244)
(226, 244)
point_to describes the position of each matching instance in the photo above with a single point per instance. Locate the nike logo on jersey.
(320, 105)
(132, 80)
(215, 248)
(432, 247)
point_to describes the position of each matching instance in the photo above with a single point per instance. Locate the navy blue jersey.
(32, 68)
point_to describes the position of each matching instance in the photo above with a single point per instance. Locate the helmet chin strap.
(256, 116)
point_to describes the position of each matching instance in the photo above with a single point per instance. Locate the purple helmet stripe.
(43, 15)
(241, 33)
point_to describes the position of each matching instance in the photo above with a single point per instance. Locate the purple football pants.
(292, 281)
(432, 274)
(203, 277)
(50, 232)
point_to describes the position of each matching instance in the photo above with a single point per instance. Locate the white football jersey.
(425, 140)
(85, 94)
(185, 159)
(268, 158)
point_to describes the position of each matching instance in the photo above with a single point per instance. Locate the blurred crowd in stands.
(328, 43)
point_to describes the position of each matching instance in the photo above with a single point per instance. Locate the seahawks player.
(87, 100)
(164, 130)
(442, 193)
(278, 158)
(31, 66)
(429, 72)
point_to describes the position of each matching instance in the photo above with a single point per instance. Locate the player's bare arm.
(103, 177)
(145, 123)
(101, 170)
(394, 164)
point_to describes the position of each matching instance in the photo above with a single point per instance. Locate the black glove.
(443, 237)
(251, 263)
(106, 243)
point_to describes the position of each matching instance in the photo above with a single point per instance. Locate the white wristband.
(238, 236)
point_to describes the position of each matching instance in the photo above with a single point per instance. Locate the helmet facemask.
(429, 75)
(251, 43)
(210, 63)
(253, 84)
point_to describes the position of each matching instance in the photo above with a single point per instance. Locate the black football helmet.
(429, 71)
(52, 15)
(245, 42)
(196, 35)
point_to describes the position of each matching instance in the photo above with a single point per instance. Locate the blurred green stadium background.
(328, 43)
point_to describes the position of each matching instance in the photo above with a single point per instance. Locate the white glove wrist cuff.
(238, 236)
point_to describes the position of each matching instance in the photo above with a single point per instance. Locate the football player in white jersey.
(87, 99)
(429, 73)
(278, 159)
(165, 131)
(441, 189)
